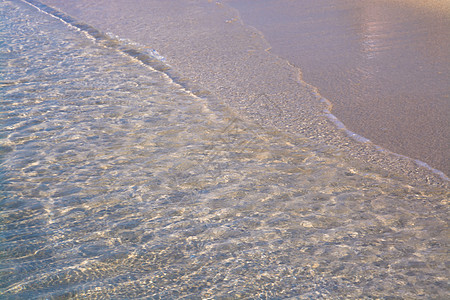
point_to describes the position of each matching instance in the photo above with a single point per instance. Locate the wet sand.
(206, 42)
(118, 182)
(384, 65)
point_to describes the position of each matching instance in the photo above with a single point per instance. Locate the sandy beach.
(384, 65)
(207, 42)
(162, 150)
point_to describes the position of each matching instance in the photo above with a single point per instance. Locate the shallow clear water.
(117, 182)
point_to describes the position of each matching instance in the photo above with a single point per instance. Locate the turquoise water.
(117, 182)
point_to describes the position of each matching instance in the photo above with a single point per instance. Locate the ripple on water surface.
(116, 181)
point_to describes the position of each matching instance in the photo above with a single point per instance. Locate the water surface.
(118, 182)
(207, 42)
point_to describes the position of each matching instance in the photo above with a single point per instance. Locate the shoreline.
(123, 178)
(253, 82)
(382, 65)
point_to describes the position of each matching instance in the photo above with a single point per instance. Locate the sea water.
(117, 181)
(209, 45)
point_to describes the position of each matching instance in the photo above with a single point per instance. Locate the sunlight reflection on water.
(116, 182)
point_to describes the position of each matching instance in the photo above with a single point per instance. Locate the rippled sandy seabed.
(117, 182)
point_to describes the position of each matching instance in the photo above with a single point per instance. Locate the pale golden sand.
(383, 65)
(208, 44)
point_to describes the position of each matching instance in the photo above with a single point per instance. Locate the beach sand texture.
(208, 43)
(384, 65)
(126, 175)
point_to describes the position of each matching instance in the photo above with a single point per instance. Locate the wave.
(154, 59)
